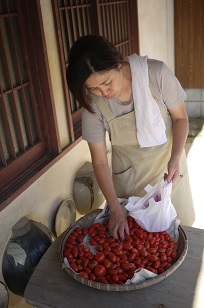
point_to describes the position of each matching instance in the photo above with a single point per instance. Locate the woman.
(140, 103)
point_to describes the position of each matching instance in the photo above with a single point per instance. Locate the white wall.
(55, 71)
(156, 30)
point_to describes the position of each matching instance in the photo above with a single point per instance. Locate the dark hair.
(89, 54)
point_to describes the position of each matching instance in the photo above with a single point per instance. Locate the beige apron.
(134, 167)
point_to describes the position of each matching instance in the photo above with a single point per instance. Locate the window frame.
(23, 171)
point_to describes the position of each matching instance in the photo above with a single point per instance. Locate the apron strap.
(152, 92)
(103, 107)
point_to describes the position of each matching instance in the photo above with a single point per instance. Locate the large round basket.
(87, 221)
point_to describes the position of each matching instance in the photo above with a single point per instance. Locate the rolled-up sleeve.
(172, 92)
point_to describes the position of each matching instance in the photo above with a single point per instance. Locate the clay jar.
(86, 192)
(30, 239)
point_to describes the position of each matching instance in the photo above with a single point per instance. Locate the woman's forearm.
(104, 179)
(180, 133)
(118, 225)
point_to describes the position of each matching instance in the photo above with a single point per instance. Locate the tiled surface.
(202, 110)
(193, 109)
(195, 102)
(194, 94)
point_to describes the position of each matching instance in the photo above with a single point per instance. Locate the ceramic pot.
(86, 192)
(4, 296)
(29, 241)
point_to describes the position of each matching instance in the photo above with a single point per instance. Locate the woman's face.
(108, 84)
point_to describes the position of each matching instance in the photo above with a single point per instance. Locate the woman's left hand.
(173, 170)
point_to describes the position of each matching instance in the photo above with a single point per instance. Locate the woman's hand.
(118, 223)
(173, 170)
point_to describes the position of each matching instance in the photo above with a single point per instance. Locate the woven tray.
(87, 221)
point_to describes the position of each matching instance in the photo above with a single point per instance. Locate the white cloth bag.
(154, 212)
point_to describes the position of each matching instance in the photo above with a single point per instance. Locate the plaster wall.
(156, 30)
(55, 72)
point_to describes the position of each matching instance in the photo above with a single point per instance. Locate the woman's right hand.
(118, 225)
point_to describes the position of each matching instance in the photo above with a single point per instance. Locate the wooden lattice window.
(116, 20)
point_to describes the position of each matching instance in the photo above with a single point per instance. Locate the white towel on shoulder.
(149, 121)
